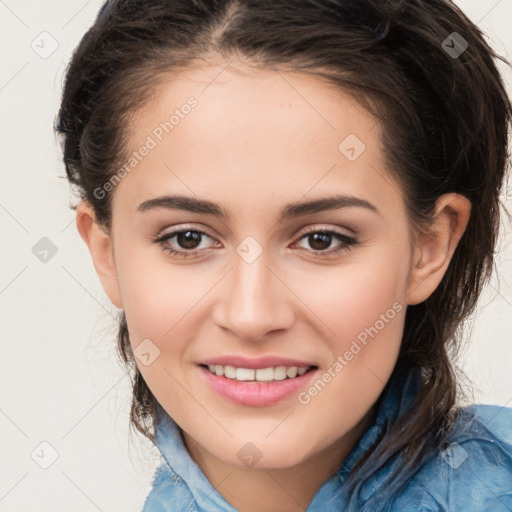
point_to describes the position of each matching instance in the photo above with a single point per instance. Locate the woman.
(295, 205)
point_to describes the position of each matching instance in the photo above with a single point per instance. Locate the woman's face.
(292, 250)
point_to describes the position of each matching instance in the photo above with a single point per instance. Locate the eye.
(321, 239)
(187, 242)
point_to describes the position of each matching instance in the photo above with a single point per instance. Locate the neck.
(288, 489)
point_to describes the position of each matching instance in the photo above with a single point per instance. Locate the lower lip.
(254, 393)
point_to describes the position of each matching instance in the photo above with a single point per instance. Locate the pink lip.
(252, 393)
(256, 362)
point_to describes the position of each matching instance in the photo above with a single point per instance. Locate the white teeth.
(265, 374)
(280, 373)
(291, 372)
(230, 372)
(245, 374)
(260, 375)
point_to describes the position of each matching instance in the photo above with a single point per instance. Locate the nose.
(254, 301)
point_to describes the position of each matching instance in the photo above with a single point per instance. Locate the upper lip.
(256, 362)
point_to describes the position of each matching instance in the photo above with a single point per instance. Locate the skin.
(258, 140)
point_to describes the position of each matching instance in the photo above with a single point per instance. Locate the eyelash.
(347, 242)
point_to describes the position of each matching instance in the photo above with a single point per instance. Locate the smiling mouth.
(270, 374)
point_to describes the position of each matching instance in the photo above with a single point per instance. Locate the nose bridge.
(255, 300)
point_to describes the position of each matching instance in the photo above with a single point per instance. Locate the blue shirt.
(474, 474)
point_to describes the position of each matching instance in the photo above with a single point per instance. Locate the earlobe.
(433, 250)
(100, 246)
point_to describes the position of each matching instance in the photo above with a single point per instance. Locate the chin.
(267, 453)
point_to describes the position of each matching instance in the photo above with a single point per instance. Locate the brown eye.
(187, 242)
(321, 240)
(188, 239)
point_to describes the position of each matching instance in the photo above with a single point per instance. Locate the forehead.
(256, 134)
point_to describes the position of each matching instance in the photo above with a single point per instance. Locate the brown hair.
(445, 119)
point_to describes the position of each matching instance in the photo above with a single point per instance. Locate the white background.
(60, 381)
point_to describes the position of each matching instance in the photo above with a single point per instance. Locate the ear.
(433, 250)
(100, 246)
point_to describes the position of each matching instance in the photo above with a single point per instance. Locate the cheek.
(155, 293)
(364, 305)
(162, 302)
(352, 298)
(152, 304)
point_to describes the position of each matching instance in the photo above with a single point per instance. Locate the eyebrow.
(291, 210)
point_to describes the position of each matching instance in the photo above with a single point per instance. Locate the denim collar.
(396, 398)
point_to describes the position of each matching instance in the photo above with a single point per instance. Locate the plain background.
(60, 380)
